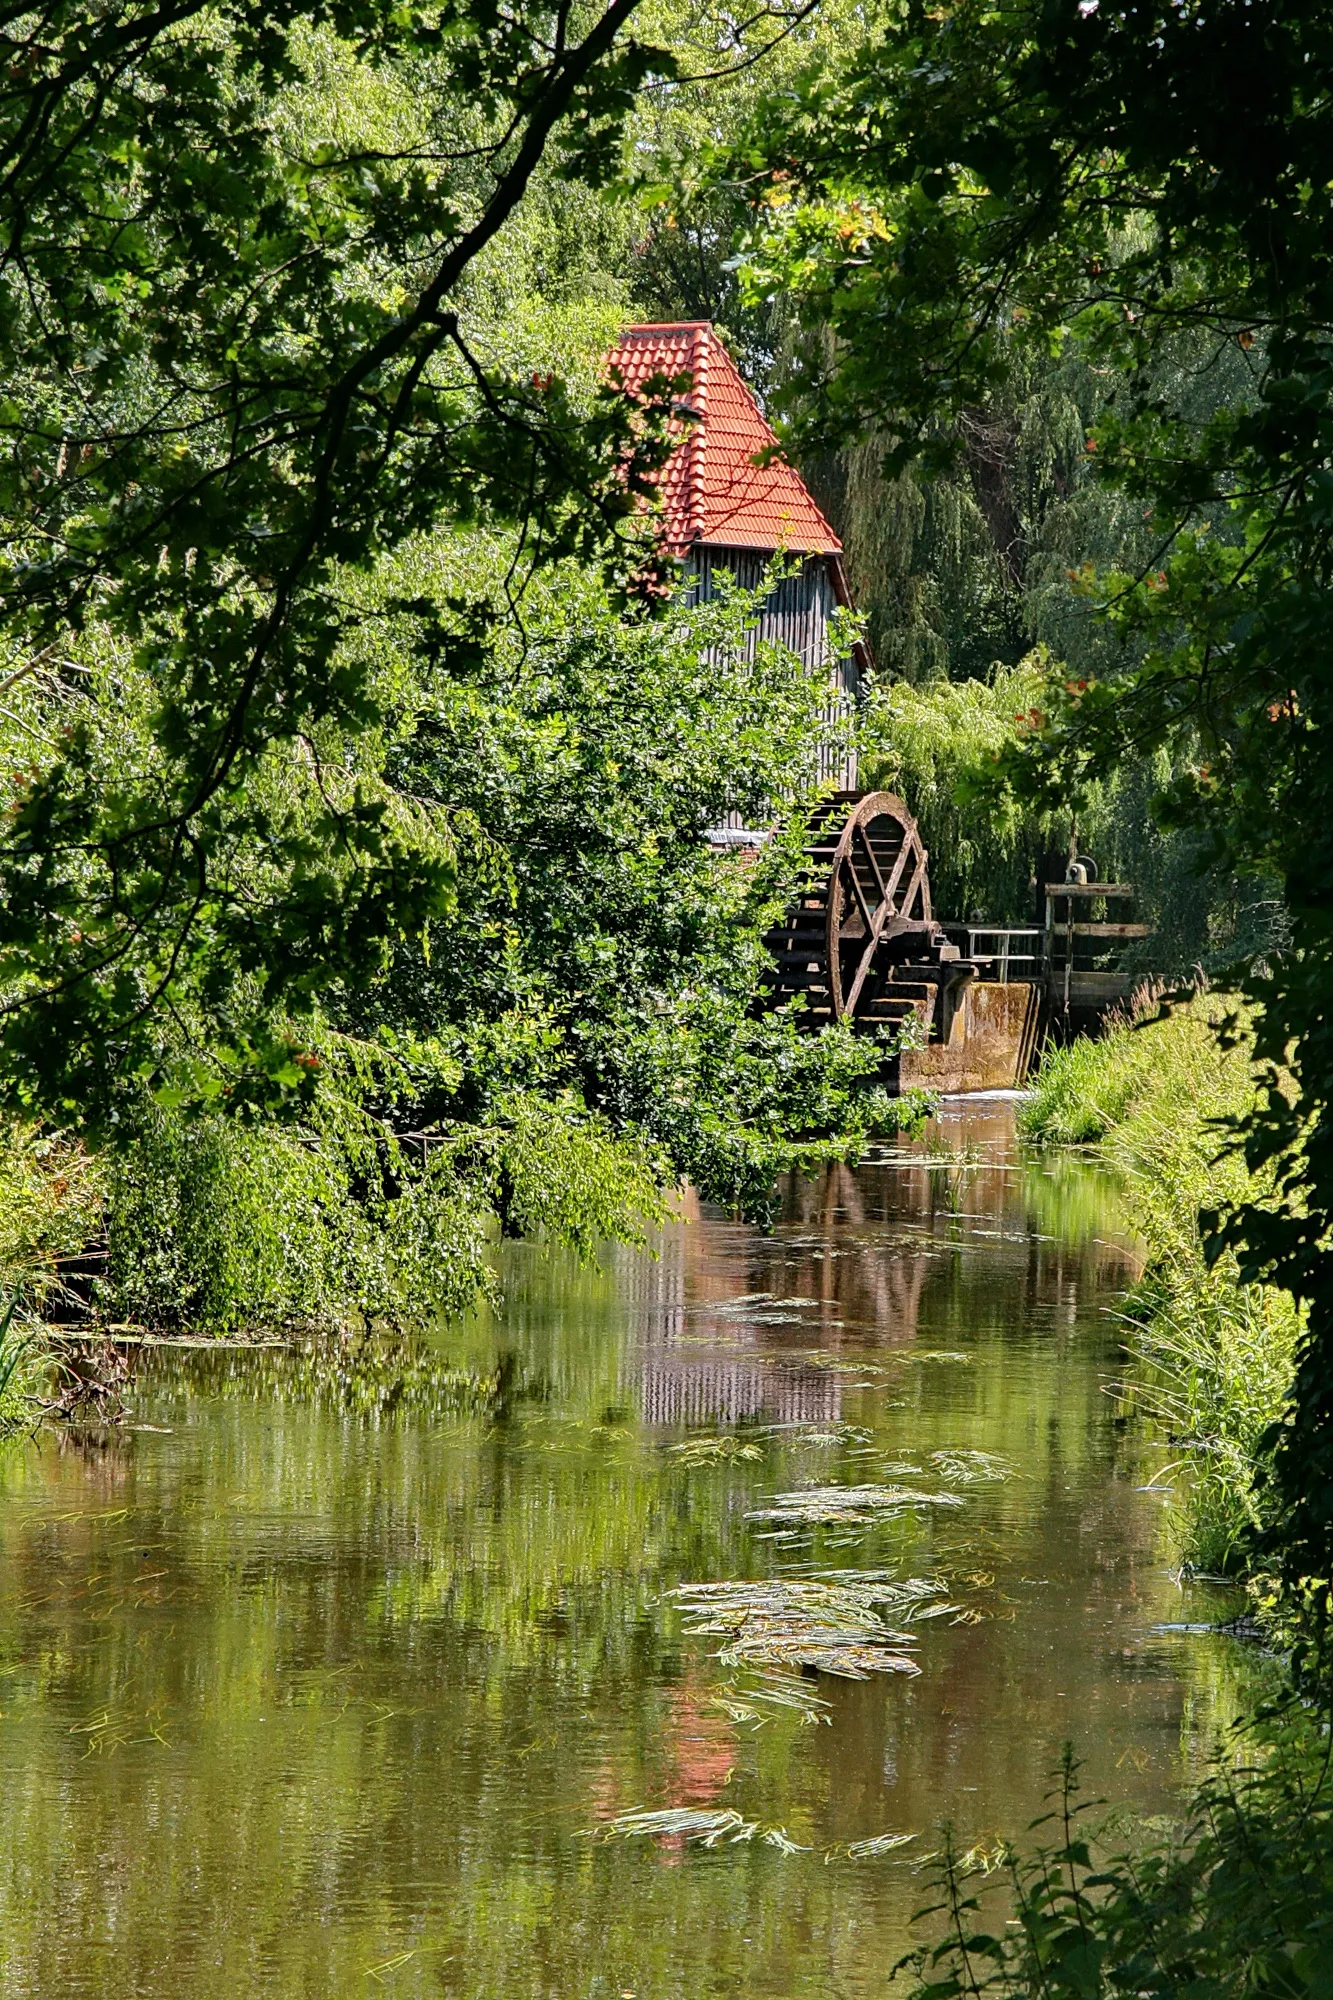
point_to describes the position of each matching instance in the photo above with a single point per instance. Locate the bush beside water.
(51, 1194)
(1239, 1904)
(216, 1225)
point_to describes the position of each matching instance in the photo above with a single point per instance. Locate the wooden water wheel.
(861, 943)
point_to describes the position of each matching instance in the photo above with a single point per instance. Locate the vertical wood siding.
(796, 615)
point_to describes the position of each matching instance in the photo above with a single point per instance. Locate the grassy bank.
(1214, 1357)
(1238, 1900)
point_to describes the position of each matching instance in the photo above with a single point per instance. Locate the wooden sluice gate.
(1080, 992)
(862, 944)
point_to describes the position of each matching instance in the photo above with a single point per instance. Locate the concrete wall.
(990, 1044)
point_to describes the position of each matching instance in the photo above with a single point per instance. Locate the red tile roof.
(713, 492)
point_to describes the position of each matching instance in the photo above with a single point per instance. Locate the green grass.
(50, 1206)
(1214, 1357)
(20, 1350)
(1081, 1091)
(51, 1197)
(1144, 1071)
(1239, 1902)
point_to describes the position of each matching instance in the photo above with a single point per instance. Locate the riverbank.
(1238, 1899)
(184, 1222)
(1237, 1902)
(1159, 1102)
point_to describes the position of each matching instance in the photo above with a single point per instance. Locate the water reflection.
(315, 1691)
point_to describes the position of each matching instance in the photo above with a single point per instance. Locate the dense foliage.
(991, 847)
(360, 753)
(239, 249)
(1212, 1356)
(578, 1032)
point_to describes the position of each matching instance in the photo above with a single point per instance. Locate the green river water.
(308, 1690)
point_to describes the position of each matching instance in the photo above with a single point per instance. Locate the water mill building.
(723, 512)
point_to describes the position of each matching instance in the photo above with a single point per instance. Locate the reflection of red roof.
(713, 492)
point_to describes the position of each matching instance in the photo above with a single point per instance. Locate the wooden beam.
(870, 856)
(1113, 930)
(867, 915)
(1089, 888)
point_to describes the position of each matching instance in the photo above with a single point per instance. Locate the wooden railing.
(1057, 954)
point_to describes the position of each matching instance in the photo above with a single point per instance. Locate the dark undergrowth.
(1239, 1904)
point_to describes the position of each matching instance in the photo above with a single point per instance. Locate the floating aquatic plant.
(751, 1299)
(971, 1468)
(760, 1309)
(838, 1364)
(883, 1843)
(710, 1450)
(697, 1824)
(810, 1506)
(904, 1594)
(772, 1691)
(835, 1627)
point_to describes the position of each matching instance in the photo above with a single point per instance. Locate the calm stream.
(310, 1691)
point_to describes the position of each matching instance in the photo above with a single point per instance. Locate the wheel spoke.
(867, 959)
(847, 868)
(868, 885)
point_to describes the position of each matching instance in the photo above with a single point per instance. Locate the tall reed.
(17, 1359)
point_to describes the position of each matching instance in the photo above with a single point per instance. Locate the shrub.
(51, 1192)
(1240, 1904)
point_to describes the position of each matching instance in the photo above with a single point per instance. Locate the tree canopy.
(239, 262)
(358, 744)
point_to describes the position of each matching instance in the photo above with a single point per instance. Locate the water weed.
(771, 1693)
(714, 1450)
(971, 1468)
(834, 1626)
(812, 1506)
(880, 1843)
(691, 1823)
